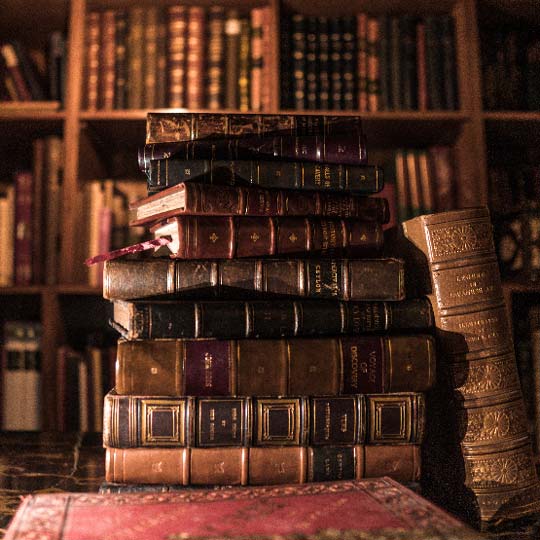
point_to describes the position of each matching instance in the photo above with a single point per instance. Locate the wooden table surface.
(53, 462)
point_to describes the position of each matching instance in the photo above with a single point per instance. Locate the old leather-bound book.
(339, 279)
(229, 237)
(203, 422)
(478, 455)
(368, 509)
(195, 198)
(158, 319)
(242, 465)
(276, 367)
(167, 127)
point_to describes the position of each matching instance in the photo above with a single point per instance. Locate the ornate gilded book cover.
(353, 510)
(487, 472)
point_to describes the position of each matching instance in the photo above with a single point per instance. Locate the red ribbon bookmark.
(135, 248)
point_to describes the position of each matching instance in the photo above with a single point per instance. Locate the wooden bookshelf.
(90, 134)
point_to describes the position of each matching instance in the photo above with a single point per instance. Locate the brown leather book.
(135, 81)
(485, 471)
(278, 367)
(167, 127)
(339, 279)
(150, 57)
(195, 58)
(197, 198)
(232, 50)
(215, 90)
(176, 52)
(227, 237)
(93, 30)
(258, 466)
(256, 19)
(244, 65)
(107, 52)
(202, 422)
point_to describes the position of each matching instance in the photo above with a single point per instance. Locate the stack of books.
(271, 343)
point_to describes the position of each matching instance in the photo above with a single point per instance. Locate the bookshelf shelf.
(21, 290)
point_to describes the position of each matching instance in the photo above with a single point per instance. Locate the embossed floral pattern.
(466, 237)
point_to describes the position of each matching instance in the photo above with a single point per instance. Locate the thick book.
(158, 319)
(278, 367)
(347, 149)
(169, 127)
(164, 173)
(241, 465)
(370, 508)
(205, 422)
(486, 472)
(339, 279)
(195, 198)
(230, 237)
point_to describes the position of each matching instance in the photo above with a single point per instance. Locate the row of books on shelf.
(368, 63)
(30, 74)
(511, 69)
(178, 56)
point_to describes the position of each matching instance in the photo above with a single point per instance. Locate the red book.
(192, 198)
(24, 186)
(375, 508)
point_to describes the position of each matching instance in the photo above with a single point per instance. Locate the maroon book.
(24, 182)
(193, 198)
(356, 510)
(226, 237)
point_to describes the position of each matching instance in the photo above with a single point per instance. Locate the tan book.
(195, 58)
(93, 42)
(107, 60)
(150, 57)
(485, 471)
(7, 223)
(258, 466)
(135, 81)
(176, 52)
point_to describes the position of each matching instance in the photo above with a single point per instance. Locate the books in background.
(21, 376)
(178, 56)
(368, 63)
(83, 377)
(32, 75)
(510, 68)
(30, 217)
(283, 409)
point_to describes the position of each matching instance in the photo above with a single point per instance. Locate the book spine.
(205, 422)
(267, 54)
(135, 81)
(11, 62)
(217, 200)
(421, 66)
(441, 168)
(195, 57)
(38, 174)
(161, 60)
(340, 279)
(272, 367)
(265, 319)
(395, 67)
(298, 47)
(181, 127)
(131, 469)
(407, 59)
(323, 72)
(256, 58)
(244, 54)
(164, 173)
(534, 366)
(286, 86)
(107, 59)
(449, 64)
(176, 52)
(120, 60)
(383, 53)
(349, 62)
(373, 64)
(362, 22)
(228, 237)
(311, 55)
(336, 63)
(346, 149)
(93, 29)
(149, 66)
(473, 331)
(216, 54)
(232, 52)
(7, 235)
(29, 72)
(55, 65)
(434, 68)
(23, 227)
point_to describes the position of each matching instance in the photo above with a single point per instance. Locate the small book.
(338, 279)
(227, 237)
(195, 198)
(371, 508)
(276, 367)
